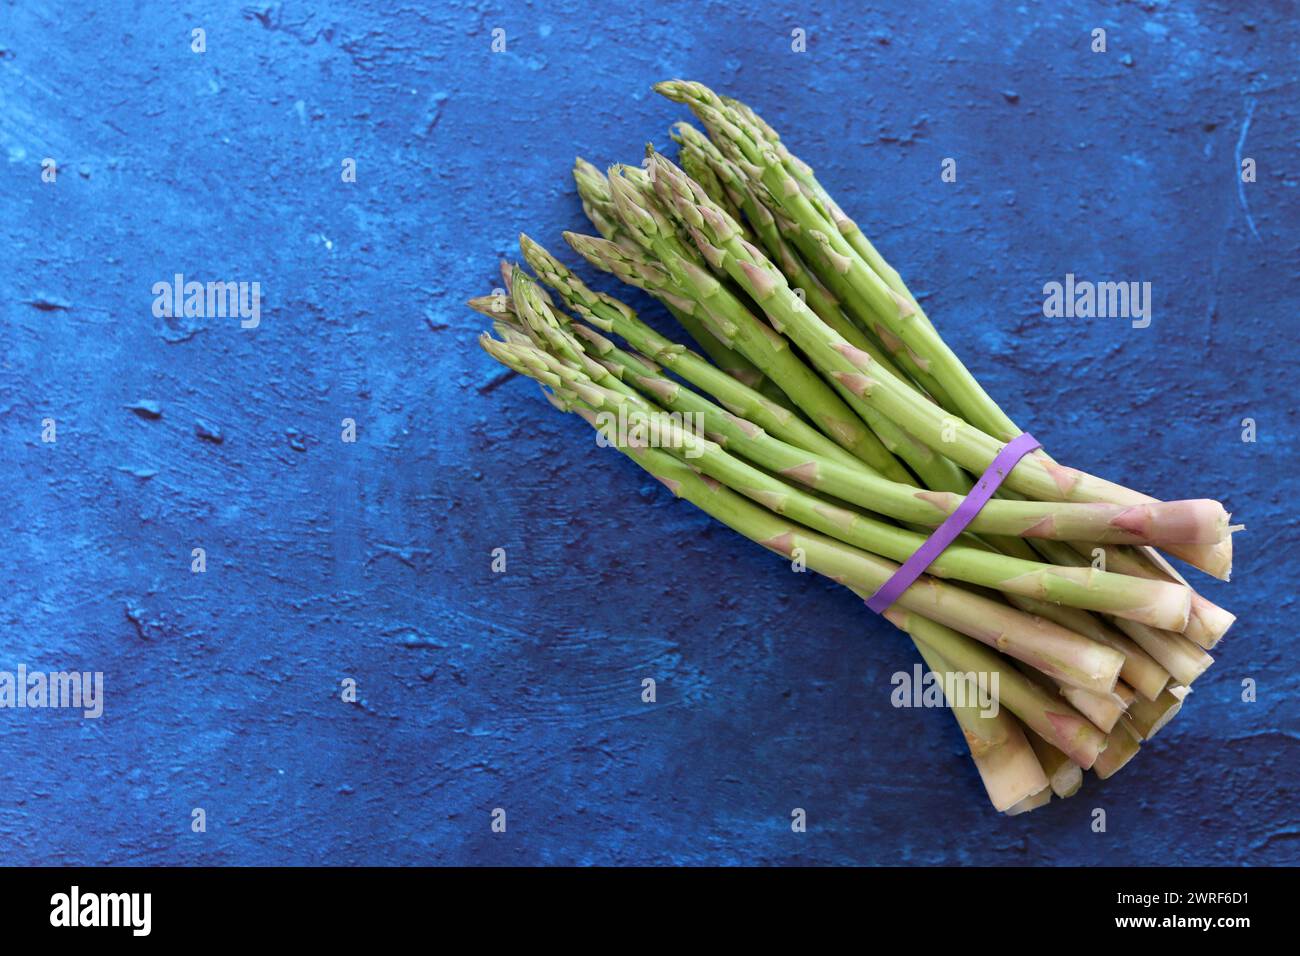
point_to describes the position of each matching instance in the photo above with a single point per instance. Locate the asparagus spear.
(1046, 646)
(792, 264)
(731, 127)
(640, 212)
(1065, 775)
(1040, 799)
(1140, 669)
(598, 203)
(696, 165)
(1104, 711)
(610, 315)
(1146, 717)
(1006, 762)
(1183, 659)
(1121, 746)
(1048, 716)
(857, 485)
(690, 287)
(1036, 475)
(1207, 623)
(737, 133)
(1155, 602)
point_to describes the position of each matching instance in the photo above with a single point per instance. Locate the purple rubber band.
(955, 523)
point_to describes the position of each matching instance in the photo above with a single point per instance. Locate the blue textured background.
(371, 560)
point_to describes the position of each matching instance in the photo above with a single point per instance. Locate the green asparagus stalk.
(689, 287)
(598, 203)
(1156, 602)
(735, 131)
(1140, 669)
(1102, 710)
(1183, 659)
(610, 315)
(1064, 775)
(1146, 717)
(1035, 475)
(729, 360)
(1207, 623)
(696, 165)
(907, 503)
(1047, 715)
(937, 470)
(1121, 746)
(1006, 762)
(1047, 647)
(796, 271)
(731, 127)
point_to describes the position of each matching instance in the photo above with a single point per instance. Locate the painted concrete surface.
(329, 560)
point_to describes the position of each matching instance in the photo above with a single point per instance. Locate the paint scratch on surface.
(496, 382)
(1241, 187)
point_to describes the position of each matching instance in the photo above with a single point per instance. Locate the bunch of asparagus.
(834, 427)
